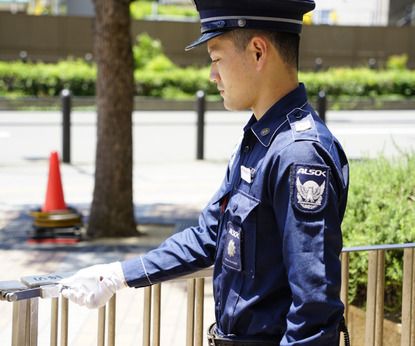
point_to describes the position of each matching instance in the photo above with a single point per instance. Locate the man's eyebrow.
(212, 48)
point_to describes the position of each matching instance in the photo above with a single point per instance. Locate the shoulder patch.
(309, 187)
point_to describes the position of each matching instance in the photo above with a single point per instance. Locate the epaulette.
(302, 125)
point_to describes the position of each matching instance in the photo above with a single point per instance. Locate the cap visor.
(203, 38)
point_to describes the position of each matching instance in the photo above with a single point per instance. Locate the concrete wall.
(51, 38)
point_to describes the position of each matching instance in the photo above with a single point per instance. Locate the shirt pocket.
(239, 252)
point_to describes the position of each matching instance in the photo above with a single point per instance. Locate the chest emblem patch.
(309, 184)
(232, 247)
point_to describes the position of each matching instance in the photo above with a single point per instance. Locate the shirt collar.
(266, 127)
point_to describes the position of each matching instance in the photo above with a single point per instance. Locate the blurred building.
(79, 8)
(402, 12)
(364, 13)
(14, 6)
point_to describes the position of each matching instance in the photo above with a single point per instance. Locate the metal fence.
(25, 300)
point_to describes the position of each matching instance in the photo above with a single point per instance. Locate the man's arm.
(309, 220)
(182, 253)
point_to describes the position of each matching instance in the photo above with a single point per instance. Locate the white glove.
(94, 286)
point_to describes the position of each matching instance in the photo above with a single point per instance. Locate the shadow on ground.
(155, 223)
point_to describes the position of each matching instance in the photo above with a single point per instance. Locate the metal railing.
(25, 298)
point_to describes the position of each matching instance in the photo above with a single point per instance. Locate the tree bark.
(112, 210)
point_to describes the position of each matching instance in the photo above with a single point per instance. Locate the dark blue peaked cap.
(219, 16)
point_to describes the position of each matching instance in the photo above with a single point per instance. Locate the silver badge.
(231, 248)
(310, 194)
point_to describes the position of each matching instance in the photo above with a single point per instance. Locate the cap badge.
(241, 22)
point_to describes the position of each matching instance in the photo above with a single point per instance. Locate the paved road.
(171, 136)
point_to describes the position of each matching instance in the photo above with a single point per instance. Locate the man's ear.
(259, 49)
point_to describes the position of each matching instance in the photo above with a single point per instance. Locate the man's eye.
(214, 60)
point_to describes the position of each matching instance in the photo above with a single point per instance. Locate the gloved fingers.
(76, 296)
(93, 286)
(102, 295)
(84, 296)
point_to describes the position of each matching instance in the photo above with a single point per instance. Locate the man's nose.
(213, 76)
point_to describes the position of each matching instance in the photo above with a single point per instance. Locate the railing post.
(66, 125)
(322, 105)
(147, 316)
(191, 283)
(375, 298)
(54, 315)
(32, 320)
(25, 322)
(200, 295)
(344, 293)
(112, 306)
(101, 326)
(18, 327)
(156, 314)
(64, 321)
(408, 299)
(201, 107)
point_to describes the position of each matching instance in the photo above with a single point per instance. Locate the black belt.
(214, 340)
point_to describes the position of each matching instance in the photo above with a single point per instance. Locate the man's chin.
(231, 107)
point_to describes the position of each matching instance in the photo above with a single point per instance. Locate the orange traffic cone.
(54, 195)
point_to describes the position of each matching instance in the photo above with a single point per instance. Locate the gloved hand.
(94, 286)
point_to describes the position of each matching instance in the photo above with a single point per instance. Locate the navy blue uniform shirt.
(272, 232)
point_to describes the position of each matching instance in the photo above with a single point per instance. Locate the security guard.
(272, 230)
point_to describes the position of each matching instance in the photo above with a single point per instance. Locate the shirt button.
(265, 131)
(246, 148)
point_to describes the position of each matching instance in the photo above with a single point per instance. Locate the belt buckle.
(211, 340)
(211, 335)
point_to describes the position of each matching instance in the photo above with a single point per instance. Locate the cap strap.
(258, 18)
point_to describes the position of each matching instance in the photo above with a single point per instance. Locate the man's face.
(232, 70)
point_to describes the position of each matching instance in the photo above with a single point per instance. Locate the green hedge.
(144, 9)
(381, 210)
(162, 78)
(361, 82)
(47, 79)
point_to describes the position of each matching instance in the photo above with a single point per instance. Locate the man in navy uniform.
(272, 231)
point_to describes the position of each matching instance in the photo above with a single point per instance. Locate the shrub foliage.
(161, 78)
(156, 75)
(380, 211)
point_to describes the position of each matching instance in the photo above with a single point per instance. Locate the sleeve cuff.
(135, 272)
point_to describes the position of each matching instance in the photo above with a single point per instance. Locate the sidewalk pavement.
(167, 198)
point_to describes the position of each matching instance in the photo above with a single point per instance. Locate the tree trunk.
(112, 210)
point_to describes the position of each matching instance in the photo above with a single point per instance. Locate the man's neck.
(271, 94)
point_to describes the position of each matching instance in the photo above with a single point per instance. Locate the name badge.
(232, 252)
(247, 174)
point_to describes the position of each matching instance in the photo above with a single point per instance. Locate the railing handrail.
(207, 272)
(379, 247)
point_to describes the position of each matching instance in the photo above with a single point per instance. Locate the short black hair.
(287, 44)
